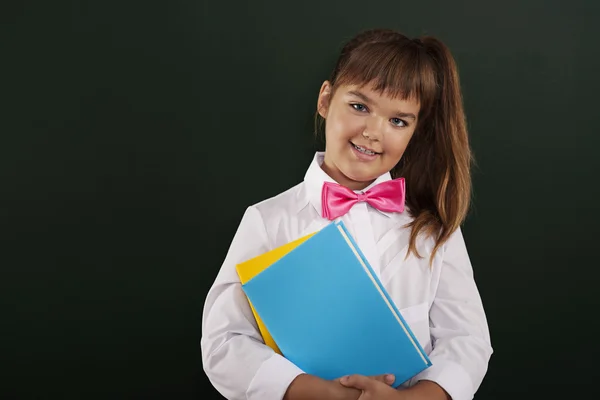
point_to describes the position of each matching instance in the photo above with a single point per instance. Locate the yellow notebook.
(249, 269)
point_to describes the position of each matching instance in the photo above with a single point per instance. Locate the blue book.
(330, 315)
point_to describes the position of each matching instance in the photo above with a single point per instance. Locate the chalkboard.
(135, 133)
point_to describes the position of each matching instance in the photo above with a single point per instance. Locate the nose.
(373, 128)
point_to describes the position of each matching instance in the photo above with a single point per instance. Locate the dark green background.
(134, 134)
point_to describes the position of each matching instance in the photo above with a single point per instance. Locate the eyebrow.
(366, 99)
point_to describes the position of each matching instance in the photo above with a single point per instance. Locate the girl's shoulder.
(287, 215)
(281, 205)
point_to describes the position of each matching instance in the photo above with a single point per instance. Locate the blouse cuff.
(451, 376)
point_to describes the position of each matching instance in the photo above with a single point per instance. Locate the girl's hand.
(372, 389)
(309, 387)
(351, 393)
(388, 379)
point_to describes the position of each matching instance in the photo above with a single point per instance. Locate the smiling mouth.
(364, 150)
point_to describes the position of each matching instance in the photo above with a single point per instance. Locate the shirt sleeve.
(458, 326)
(234, 356)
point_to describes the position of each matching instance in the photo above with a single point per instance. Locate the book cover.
(250, 268)
(330, 315)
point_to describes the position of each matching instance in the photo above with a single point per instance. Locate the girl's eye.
(399, 122)
(358, 107)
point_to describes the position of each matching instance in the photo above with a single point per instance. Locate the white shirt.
(440, 303)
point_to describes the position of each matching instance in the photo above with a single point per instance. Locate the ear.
(324, 99)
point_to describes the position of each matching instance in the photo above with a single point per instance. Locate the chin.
(361, 176)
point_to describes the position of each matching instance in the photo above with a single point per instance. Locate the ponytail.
(437, 161)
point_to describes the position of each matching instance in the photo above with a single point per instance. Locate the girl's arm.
(459, 330)
(234, 356)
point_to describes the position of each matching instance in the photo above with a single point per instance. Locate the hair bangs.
(396, 70)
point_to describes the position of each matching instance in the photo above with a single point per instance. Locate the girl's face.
(366, 133)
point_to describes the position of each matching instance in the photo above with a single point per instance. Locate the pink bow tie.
(387, 196)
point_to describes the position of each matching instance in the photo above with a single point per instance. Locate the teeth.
(363, 150)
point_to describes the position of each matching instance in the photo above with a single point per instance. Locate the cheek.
(395, 145)
(343, 127)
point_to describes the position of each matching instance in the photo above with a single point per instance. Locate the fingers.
(388, 379)
(362, 382)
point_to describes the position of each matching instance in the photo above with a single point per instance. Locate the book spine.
(371, 274)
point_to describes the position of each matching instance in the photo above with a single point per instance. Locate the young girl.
(397, 170)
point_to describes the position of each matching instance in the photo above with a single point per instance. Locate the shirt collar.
(315, 177)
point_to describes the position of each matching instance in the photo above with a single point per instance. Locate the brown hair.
(437, 162)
